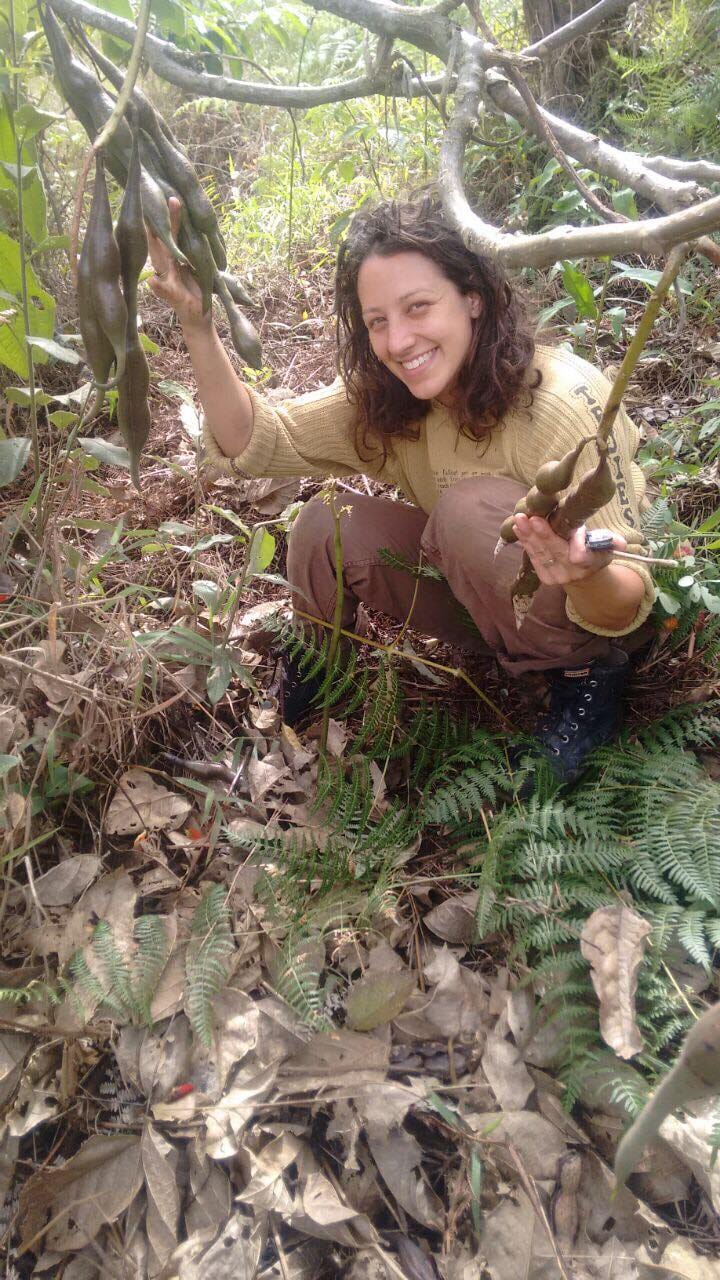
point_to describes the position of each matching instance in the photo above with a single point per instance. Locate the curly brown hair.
(495, 372)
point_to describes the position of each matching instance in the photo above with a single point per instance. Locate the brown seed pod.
(217, 245)
(592, 492)
(98, 347)
(556, 475)
(539, 504)
(103, 257)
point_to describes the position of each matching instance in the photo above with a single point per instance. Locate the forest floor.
(303, 1063)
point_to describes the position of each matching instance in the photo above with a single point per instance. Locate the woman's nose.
(399, 336)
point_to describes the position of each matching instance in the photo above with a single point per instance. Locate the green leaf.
(208, 592)
(218, 679)
(646, 276)
(262, 550)
(149, 347)
(169, 387)
(669, 603)
(30, 120)
(7, 763)
(580, 290)
(112, 454)
(624, 202)
(14, 454)
(55, 349)
(13, 349)
(62, 418)
(24, 396)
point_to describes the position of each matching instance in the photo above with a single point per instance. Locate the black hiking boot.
(585, 712)
(297, 693)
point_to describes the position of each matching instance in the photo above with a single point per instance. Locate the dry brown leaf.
(33, 1106)
(111, 898)
(92, 1189)
(210, 1199)
(345, 1058)
(141, 804)
(53, 678)
(514, 1245)
(13, 1052)
(64, 883)
(160, 1161)
(506, 1073)
(613, 942)
(398, 1156)
(337, 737)
(378, 998)
(226, 1120)
(690, 1140)
(538, 1143)
(13, 728)
(233, 1256)
(680, 1261)
(262, 775)
(458, 1003)
(454, 919)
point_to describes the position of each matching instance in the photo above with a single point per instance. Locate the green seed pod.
(237, 291)
(194, 245)
(103, 258)
(98, 347)
(217, 246)
(244, 337)
(131, 236)
(554, 476)
(157, 216)
(132, 406)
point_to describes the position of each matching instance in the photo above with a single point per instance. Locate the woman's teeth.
(419, 360)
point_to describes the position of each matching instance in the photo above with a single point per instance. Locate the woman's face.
(418, 321)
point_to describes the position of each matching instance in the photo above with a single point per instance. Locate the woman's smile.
(419, 324)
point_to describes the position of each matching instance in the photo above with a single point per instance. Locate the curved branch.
(580, 26)
(651, 237)
(695, 170)
(627, 167)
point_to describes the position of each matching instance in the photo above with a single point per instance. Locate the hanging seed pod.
(103, 258)
(237, 291)
(244, 337)
(131, 236)
(539, 504)
(98, 347)
(194, 245)
(133, 410)
(217, 245)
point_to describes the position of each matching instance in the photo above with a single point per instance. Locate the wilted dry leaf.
(233, 1256)
(337, 737)
(93, 1188)
(690, 1140)
(344, 1058)
(454, 919)
(33, 1106)
(514, 1244)
(264, 715)
(160, 1161)
(226, 1120)
(262, 775)
(538, 1143)
(506, 1073)
(141, 804)
(13, 728)
(112, 898)
(53, 678)
(680, 1261)
(64, 883)
(458, 1004)
(377, 998)
(13, 1051)
(398, 1157)
(210, 1199)
(613, 943)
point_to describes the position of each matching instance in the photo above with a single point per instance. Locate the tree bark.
(565, 77)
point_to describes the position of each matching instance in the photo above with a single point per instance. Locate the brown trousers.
(459, 538)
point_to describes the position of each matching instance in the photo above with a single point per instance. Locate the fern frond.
(206, 966)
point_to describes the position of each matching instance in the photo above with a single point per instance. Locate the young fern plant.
(117, 984)
(208, 959)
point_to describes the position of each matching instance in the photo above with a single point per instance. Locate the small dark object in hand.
(599, 540)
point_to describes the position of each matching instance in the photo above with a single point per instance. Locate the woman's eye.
(375, 323)
(418, 306)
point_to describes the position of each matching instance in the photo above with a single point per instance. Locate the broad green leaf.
(56, 349)
(668, 602)
(646, 276)
(30, 120)
(20, 15)
(13, 350)
(580, 290)
(62, 418)
(171, 388)
(14, 453)
(218, 679)
(112, 454)
(149, 347)
(624, 202)
(7, 763)
(24, 396)
(208, 592)
(262, 550)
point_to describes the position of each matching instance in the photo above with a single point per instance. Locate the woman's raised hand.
(175, 284)
(555, 561)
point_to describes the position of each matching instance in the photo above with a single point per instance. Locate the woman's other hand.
(176, 285)
(556, 561)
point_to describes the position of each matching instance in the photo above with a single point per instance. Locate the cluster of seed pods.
(145, 158)
(565, 513)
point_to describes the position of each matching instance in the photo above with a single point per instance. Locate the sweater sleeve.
(310, 435)
(573, 410)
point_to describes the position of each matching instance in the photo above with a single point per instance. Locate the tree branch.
(649, 237)
(580, 26)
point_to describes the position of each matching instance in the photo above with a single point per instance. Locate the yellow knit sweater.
(312, 435)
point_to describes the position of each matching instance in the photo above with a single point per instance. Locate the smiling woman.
(442, 394)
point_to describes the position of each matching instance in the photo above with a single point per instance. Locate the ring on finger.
(548, 561)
